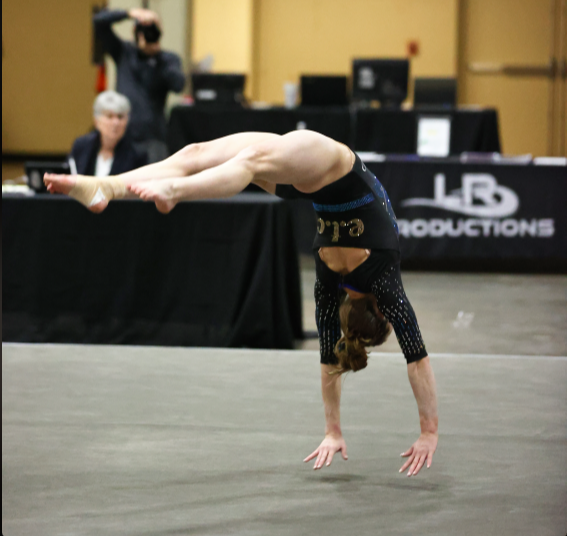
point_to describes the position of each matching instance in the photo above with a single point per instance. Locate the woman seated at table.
(108, 150)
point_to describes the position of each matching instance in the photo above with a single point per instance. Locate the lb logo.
(356, 227)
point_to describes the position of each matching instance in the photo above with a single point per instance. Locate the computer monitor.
(35, 171)
(384, 80)
(220, 88)
(323, 90)
(435, 93)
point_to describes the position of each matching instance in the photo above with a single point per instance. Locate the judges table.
(469, 216)
(222, 273)
(379, 130)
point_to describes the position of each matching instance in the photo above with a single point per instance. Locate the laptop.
(225, 89)
(323, 90)
(35, 171)
(435, 93)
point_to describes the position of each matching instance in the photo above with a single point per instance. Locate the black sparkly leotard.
(355, 211)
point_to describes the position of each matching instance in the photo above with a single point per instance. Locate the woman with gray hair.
(108, 149)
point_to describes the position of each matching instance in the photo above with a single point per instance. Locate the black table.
(378, 130)
(469, 216)
(222, 273)
(395, 131)
(191, 124)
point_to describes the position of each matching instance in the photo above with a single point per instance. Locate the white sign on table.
(433, 136)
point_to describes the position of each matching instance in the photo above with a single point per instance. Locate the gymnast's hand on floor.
(327, 449)
(420, 452)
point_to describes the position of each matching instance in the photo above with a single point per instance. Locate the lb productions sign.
(483, 211)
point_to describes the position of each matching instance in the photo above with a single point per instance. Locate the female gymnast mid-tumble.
(358, 286)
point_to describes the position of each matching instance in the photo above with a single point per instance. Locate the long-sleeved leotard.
(355, 211)
(390, 297)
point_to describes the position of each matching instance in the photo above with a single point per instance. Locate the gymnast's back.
(354, 211)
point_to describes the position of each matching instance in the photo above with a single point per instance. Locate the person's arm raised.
(144, 16)
(103, 21)
(422, 381)
(333, 441)
(170, 72)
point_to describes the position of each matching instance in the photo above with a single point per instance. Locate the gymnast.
(358, 286)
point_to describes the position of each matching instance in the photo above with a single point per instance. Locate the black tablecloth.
(221, 273)
(188, 124)
(493, 216)
(380, 130)
(454, 216)
(395, 131)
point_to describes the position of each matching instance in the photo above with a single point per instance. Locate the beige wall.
(224, 29)
(323, 36)
(510, 32)
(47, 78)
(275, 41)
(48, 82)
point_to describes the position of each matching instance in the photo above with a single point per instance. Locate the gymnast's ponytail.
(362, 325)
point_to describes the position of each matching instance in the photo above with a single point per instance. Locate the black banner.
(478, 211)
(222, 273)
(380, 130)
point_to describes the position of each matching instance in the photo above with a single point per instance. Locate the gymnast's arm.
(395, 306)
(333, 441)
(329, 329)
(422, 381)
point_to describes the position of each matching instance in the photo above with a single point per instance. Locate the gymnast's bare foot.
(70, 184)
(161, 192)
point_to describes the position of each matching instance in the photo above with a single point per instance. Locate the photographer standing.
(144, 73)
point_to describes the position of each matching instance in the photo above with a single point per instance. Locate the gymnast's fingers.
(312, 455)
(413, 465)
(54, 176)
(419, 465)
(323, 458)
(327, 457)
(407, 464)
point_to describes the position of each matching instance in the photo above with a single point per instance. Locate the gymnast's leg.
(306, 159)
(95, 193)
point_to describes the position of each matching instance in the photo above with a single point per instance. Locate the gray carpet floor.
(153, 441)
(102, 440)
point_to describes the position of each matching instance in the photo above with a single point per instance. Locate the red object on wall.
(101, 82)
(413, 48)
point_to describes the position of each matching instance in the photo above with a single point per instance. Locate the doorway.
(512, 56)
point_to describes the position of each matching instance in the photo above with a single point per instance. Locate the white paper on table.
(433, 136)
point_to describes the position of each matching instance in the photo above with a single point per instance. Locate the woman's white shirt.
(103, 166)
